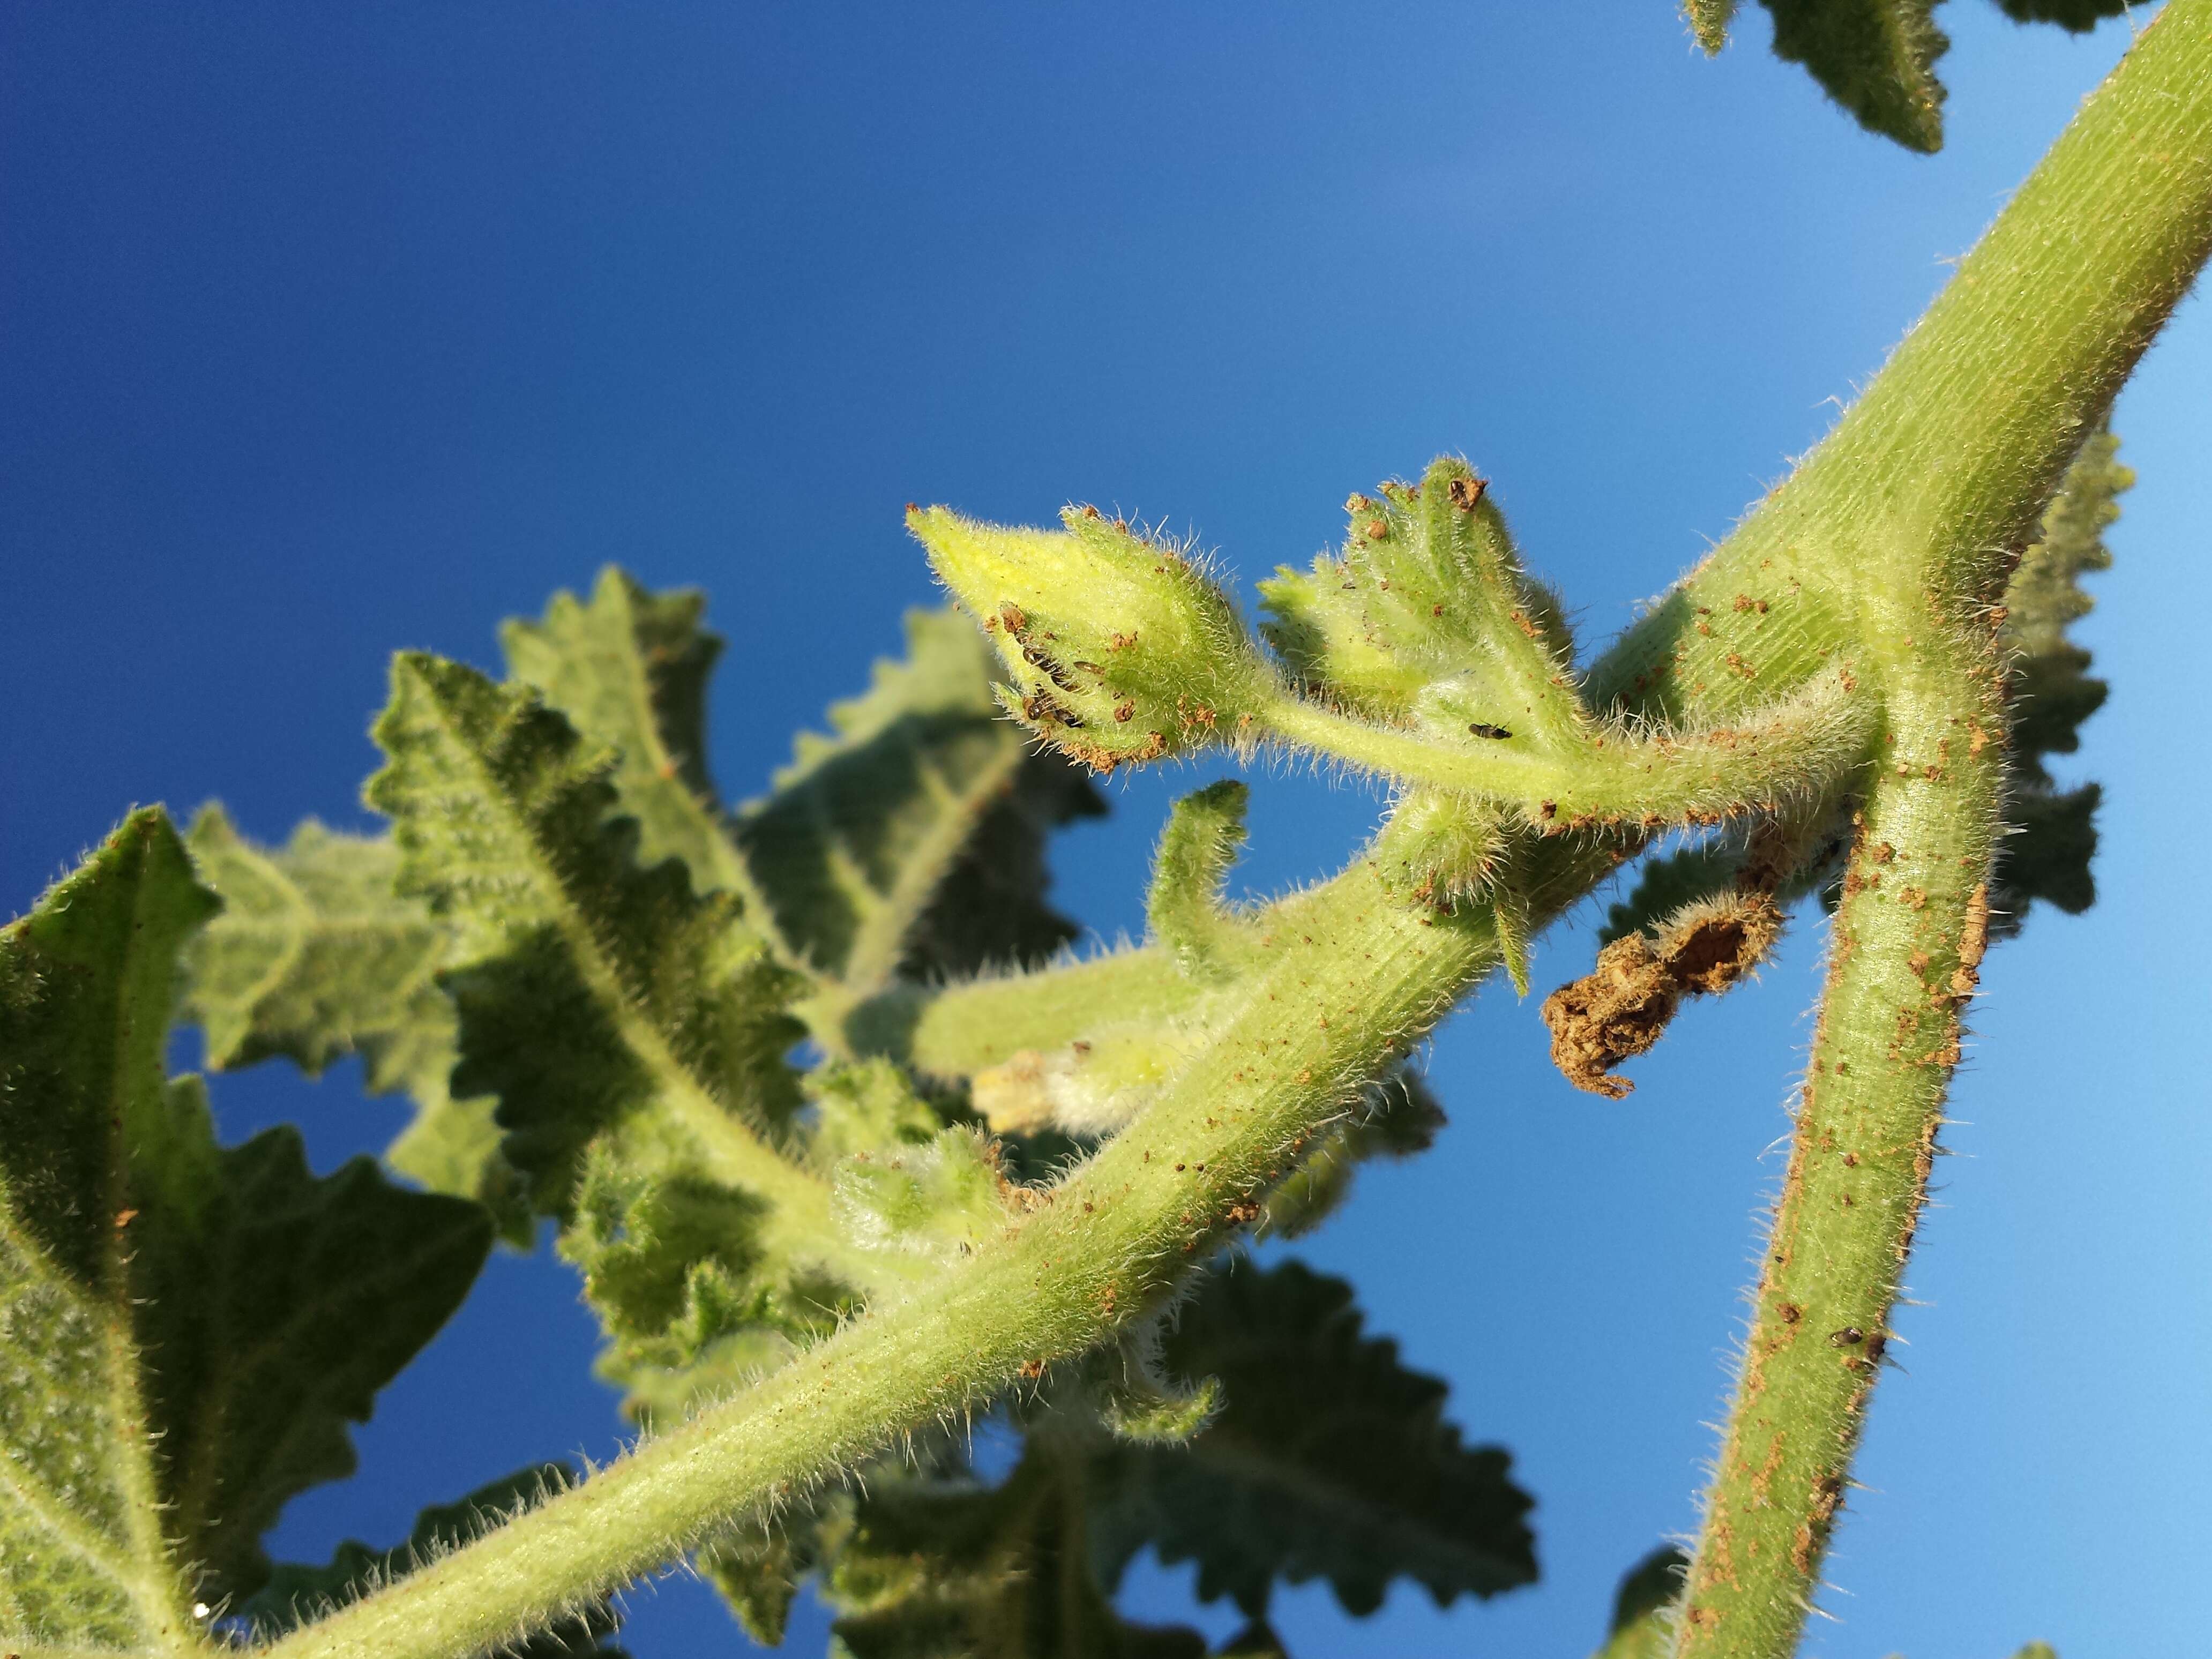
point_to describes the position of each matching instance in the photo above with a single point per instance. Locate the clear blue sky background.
(325, 330)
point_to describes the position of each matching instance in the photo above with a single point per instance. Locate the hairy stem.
(1322, 1020)
(1919, 504)
(1780, 755)
(1870, 562)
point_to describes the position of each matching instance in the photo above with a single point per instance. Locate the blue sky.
(331, 331)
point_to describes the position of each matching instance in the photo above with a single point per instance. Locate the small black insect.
(1037, 658)
(1480, 730)
(1850, 1337)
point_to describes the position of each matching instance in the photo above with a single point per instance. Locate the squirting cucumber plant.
(849, 1149)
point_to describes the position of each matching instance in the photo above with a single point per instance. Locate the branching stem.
(1918, 505)
(1876, 563)
(1321, 1021)
(1779, 755)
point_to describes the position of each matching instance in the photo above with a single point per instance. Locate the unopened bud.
(1118, 648)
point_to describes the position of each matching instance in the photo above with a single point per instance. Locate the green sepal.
(628, 669)
(1189, 871)
(910, 840)
(589, 989)
(1119, 646)
(191, 1326)
(297, 1594)
(1426, 616)
(1875, 57)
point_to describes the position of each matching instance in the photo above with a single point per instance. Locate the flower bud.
(1119, 648)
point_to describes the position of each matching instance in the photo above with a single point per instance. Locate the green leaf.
(591, 992)
(189, 1327)
(940, 1568)
(297, 1594)
(1313, 1455)
(758, 1569)
(1328, 1460)
(2077, 16)
(1643, 1622)
(628, 668)
(1875, 57)
(911, 839)
(315, 956)
(2048, 857)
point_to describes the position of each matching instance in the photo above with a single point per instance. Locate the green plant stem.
(1322, 1020)
(1909, 509)
(1777, 756)
(1917, 507)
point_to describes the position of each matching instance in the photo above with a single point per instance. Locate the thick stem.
(1918, 505)
(1935, 478)
(1907, 944)
(1897, 527)
(1323, 1019)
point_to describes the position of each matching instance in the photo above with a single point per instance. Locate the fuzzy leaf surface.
(1875, 57)
(910, 839)
(2053, 693)
(989, 1572)
(636, 1034)
(189, 1327)
(1327, 1460)
(316, 955)
(628, 668)
(591, 992)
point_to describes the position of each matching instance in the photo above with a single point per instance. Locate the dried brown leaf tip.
(1622, 1008)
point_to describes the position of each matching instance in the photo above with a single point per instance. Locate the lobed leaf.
(628, 669)
(933, 1568)
(1328, 1459)
(591, 991)
(1875, 57)
(2048, 857)
(189, 1327)
(315, 955)
(910, 840)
